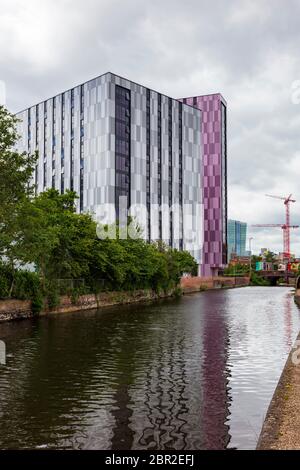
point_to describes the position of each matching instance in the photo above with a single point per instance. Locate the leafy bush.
(178, 292)
(5, 281)
(63, 245)
(53, 297)
(26, 285)
(75, 296)
(258, 281)
(37, 303)
(19, 284)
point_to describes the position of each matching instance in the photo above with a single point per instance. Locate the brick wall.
(192, 284)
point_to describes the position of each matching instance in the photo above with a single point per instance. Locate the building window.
(148, 164)
(37, 116)
(224, 180)
(62, 157)
(36, 146)
(53, 140)
(29, 132)
(72, 143)
(81, 148)
(159, 163)
(45, 174)
(180, 180)
(170, 132)
(122, 150)
(45, 144)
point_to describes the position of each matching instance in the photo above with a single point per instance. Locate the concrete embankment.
(20, 309)
(12, 309)
(281, 427)
(280, 430)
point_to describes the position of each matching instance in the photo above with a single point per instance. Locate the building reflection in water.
(177, 393)
(152, 410)
(215, 374)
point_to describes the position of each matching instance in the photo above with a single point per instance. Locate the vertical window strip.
(159, 165)
(148, 164)
(170, 170)
(180, 179)
(224, 180)
(62, 158)
(29, 131)
(28, 135)
(122, 151)
(81, 150)
(53, 141)
(37, 146)
(45, 144)
(72, 142)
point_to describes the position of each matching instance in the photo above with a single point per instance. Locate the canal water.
(192, 373)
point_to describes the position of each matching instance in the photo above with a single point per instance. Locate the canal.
(192, 373)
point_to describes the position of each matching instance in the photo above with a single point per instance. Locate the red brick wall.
(195, 283)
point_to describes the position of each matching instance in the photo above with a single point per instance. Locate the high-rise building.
(236, 236)
(214, 180)
(121, 145)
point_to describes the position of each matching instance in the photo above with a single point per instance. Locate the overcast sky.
(247, 50)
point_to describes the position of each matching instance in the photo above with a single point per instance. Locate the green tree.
(255, 259)
(107, 262)
(237, 269)
(270, 257)
(56, 239)
(185, 263)
(16, 171)
(15, 174)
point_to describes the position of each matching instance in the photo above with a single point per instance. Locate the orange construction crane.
(285, 227)
(286, 230)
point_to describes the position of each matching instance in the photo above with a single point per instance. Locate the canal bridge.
(274, 276)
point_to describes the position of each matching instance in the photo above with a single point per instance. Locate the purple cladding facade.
(214, 174)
